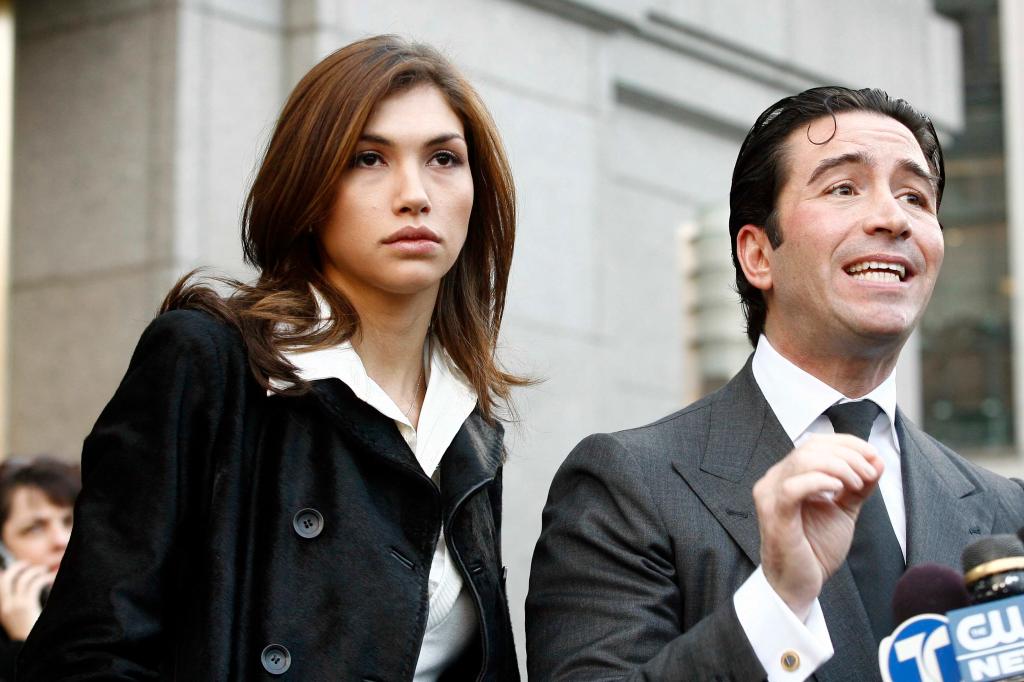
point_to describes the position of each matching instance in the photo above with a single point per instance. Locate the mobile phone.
(6, 558)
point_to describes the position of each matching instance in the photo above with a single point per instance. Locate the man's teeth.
(875, 271)
(876, 276)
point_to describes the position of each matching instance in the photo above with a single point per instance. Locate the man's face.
(861, 243)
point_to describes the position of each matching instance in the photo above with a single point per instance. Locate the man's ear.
(754, 252)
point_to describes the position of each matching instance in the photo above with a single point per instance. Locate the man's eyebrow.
(440, 139)
(915, 168)
(907, 165)
(828, 164)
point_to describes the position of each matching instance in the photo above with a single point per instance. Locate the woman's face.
(402, 210)
(36, 530)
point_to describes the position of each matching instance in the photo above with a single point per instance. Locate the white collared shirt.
(449, 400)
(798, 400)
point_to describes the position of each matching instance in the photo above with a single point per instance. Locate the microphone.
(920, 649)
(994, 567)
(928, 588)
(981, 636)
(988, 637)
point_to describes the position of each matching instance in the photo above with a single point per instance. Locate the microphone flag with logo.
(919, 649)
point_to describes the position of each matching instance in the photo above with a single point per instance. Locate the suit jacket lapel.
(942, 513)
(744, 440)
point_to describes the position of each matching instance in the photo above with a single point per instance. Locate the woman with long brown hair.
(301, 477)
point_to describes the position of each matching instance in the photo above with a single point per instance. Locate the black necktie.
(875, 558)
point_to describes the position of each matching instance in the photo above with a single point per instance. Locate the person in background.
(36, 512)
(299, 478)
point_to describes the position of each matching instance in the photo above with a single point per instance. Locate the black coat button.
(275, 659)
(308, 523)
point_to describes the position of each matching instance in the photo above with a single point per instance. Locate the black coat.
(215, 522)
(9, 650)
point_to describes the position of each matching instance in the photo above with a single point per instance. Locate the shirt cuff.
(790, 650)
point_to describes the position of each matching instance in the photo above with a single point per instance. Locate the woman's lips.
(414, 240)
(413, 234)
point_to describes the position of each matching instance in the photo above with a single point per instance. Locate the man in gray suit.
(759, 532)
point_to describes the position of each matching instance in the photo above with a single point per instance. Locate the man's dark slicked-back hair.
(760, 170)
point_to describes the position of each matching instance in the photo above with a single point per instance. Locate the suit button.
(308, 523)
(275, 659)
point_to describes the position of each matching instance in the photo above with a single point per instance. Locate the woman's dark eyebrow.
(376, 139)
(383, 141)
(445, 137)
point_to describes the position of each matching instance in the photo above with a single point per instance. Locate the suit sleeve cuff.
(790, 650)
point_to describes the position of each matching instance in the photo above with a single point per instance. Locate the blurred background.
(129, 130)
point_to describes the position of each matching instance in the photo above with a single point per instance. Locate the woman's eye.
(841, 190)
(445, 159)
(367, 160)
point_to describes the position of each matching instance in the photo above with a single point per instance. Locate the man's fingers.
(850, 441)
(822, 453)
(852, 500)
(847, 465)
(827, 468)
(845, 444)
(794, 490)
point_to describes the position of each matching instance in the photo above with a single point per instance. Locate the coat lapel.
(744, 440)
(942, 513)
(369, 430)
(471, 460)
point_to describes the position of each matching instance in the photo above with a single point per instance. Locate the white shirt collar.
(449, 398)
(797, 398)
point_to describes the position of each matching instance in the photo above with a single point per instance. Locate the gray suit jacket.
(648, 533)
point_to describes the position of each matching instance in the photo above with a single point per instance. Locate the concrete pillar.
(722, 344)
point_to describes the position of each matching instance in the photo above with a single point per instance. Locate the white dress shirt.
(449, 400)
(799, 401)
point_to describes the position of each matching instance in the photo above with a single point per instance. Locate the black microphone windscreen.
(989, 549)
(928, 588)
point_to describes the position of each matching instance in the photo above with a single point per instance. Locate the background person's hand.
(807, 505)
(20, 586)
